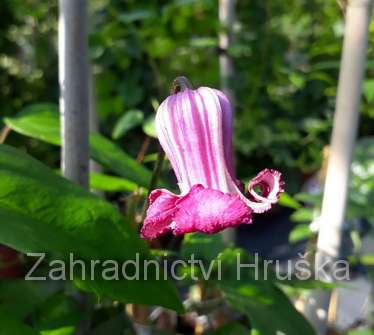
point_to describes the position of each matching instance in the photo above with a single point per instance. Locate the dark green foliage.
(43, 212)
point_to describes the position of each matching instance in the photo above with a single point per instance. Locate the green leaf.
(57, 312)
(103, 182)
(299, 233)
(150, 158)
(367, 259)
(11, 325)
(258, 298)
(41, 211)
(303, 215)
(60, 331)
(368, 89)
(309, 198)
(128, 121)
(203, 42)
(202, 246)
(361, 332)
(234, 328)
(149, 127)
(42, 122)
(112, 157)
(286, 200)
(136, 15)
(22, 297)
(39, 121)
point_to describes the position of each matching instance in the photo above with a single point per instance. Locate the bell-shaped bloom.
(194, 128)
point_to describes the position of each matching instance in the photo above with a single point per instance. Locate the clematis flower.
(194, 128)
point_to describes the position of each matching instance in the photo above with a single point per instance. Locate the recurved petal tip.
(270, 186)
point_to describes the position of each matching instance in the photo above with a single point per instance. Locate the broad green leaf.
(43, 212)
(300, 232)
(107, 183)
(22, 297)
(42, 122)
(9, 325)
(128, 121)
(149, 127)
(202, 246)
(258, 298)
(112, 157)
(57, 312)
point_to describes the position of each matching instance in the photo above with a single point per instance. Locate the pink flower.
(195, 130)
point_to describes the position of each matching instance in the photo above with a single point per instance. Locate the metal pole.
(74, 105)
(226, 65)
(345, 126)
(74, 89)
(226, 69)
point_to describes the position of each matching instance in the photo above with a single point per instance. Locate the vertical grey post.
(226, 68)
(346, 117)
(74, 89)
(226, 65)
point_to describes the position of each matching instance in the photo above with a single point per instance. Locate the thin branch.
(4, 134)
(143, 149)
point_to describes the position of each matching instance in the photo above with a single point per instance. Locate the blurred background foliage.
(286, 55)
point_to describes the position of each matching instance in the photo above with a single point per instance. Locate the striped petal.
(190, 128)
(194, 128)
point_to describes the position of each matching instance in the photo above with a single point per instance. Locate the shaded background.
(286, 56)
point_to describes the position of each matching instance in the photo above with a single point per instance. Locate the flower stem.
(143, 149)
(4, 134)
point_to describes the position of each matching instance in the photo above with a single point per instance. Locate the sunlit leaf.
(107, 183)
(42, 122)
(303, 215)
(286, 200)
(149, 127)
(299, 233)
(129, 120)
(41, 211)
